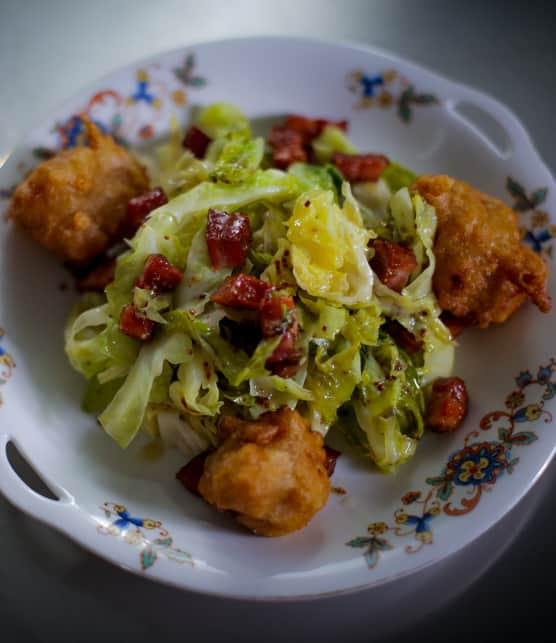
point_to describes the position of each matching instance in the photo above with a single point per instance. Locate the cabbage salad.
(310, 234)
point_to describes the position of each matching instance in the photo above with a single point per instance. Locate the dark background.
(499, 586)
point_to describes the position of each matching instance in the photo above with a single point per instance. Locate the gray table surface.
(50, 589)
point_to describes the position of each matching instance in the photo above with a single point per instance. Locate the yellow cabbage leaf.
(329, 248)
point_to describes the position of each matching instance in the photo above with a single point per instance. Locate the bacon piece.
(285, 358)
(228, 237)
(159, 275)
(135, 326)
(286, 369)
(139, 207)
(241, 291)
(392, 263)
(310, 128)
(190, 474)
(403, 337)
(278, 316)
(287, 147)
(448, 404)
(98, 278)
(331, 457)
(455, 325)
(360, 167)
(196, 141)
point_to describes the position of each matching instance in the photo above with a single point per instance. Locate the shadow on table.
(70, 591)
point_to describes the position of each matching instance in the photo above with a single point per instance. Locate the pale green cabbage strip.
(310, 238)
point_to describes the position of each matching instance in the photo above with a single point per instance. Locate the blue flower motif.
(73, 132)
(528, 413)
(544, 374)
(142, 94)
(477, 464)
(125, 520)
(523, 379)
(421, 523)
(536, 240)
(369, 83)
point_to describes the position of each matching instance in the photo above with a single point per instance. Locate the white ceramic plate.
(133, 512)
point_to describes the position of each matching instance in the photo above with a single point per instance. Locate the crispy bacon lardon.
(75, 202)
(272, 473)
(392, 263)
(448, 404)
(483, 271)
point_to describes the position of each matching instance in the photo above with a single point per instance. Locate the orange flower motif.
(473, 469)
(389, 75)
(533, 412)
(377, 528)
(515, 399)
(179, 97)
(410, 497)
(539, 219)
(385, 99)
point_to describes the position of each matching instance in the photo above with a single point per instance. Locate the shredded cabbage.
(331, 140)
(329, 249)
(388, 405)
(310, 235)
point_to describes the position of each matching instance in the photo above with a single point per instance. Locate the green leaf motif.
(371, 557)
(539, 196)
(163, 542)
(382, 544)
(445, 490)
(359, 542)
(404, 110)
(523, 438)
(197, 81)
(511, 464)
(178, 555)
(148, 557)
(550, 391)
(435, 482)
(425, 99)
(503, 435)
(190, 62)
(180, 75)
(514, 188)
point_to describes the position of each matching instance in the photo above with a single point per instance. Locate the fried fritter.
(75, 203)
(271, 472)
(484, 273)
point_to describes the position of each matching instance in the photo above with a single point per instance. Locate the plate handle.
(16, 491)
(504, 117)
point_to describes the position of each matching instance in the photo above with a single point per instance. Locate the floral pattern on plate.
(133, 531)
(535, 228)
(469, 471)
(387, 89)
(7, 364)
(137, 114)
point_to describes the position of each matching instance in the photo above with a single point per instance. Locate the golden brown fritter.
(271, 472)
(74, 203)
(484, 272)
